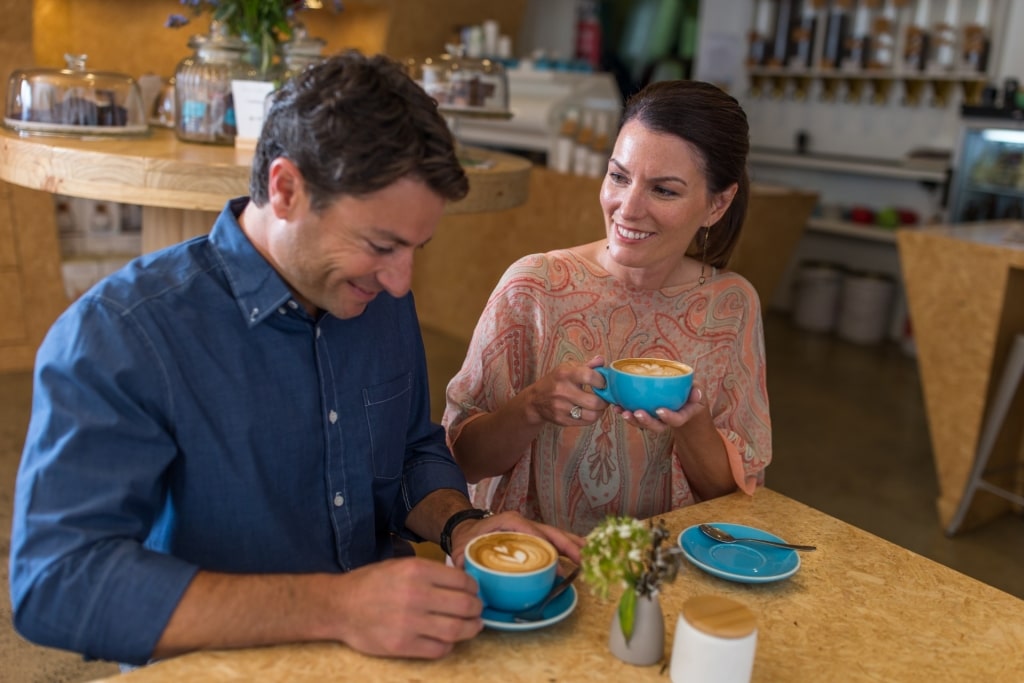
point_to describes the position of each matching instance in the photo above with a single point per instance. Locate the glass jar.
(300, 51)
(204, 109)
(464, 85)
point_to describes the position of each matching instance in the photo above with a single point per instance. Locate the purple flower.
(176, 20)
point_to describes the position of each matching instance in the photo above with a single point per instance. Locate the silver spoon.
(725, 537)
(536, 613)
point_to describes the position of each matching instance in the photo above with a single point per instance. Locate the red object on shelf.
(908, 217)
(862, 214)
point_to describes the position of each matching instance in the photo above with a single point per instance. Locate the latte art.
(512, 552)
(652, 367)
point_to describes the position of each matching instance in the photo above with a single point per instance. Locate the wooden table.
(859, 609)
(182, 186)
(965, 291)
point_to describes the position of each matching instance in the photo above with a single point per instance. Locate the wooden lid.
(720, 617)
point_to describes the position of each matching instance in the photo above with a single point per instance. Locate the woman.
(521, 420)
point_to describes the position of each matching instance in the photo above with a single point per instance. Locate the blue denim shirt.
(188, 413)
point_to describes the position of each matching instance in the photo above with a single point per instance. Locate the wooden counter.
(181, 186)
(965, 292)
(859, 609)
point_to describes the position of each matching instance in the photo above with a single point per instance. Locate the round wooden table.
(182, 186)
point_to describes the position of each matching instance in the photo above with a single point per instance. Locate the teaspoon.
(536, 613)
(725, 537)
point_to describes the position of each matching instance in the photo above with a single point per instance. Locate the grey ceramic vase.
(647, 646)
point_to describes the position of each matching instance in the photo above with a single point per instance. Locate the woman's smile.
(631, 234)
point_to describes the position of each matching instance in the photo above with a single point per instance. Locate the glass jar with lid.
(300, 51)
(464, 85)
(204, 109)
(74, 101)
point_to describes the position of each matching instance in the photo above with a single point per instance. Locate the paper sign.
(249, 99)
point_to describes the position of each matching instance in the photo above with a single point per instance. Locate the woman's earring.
(704, 257)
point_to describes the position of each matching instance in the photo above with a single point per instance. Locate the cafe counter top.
(858, 609)
(180, 184)
(159, 170)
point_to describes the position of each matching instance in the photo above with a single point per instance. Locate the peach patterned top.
(554, 307)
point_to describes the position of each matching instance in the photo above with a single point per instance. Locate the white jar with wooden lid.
(715, 640)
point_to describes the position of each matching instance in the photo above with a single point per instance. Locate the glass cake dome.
(74, 101)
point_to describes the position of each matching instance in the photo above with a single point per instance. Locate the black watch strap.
(455, 520)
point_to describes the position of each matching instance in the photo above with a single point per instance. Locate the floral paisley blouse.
(555, 307)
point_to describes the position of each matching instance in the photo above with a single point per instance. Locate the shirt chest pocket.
(387, 416)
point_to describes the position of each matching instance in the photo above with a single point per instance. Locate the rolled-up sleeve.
(81, 577)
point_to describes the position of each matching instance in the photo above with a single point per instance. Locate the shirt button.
(332, 416)
(280, 309)
(254, 313)
(292, 305)
(339, 500)
(318, 333)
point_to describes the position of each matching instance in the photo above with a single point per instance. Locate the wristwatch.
(457, 519)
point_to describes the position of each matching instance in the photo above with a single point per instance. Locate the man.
(228, 436)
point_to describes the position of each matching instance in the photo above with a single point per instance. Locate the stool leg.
(1011, 379)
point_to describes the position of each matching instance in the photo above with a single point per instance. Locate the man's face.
(339, 259)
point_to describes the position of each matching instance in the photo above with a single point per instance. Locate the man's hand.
(408, 607)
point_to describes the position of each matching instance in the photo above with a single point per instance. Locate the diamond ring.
(576, 412)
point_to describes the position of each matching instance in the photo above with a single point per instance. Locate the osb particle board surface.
(961, 305)
(859, 609)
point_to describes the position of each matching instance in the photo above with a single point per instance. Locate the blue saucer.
(559, 609)
(743, 562)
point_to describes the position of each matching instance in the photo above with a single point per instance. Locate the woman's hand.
(668, 419)
(563, 396)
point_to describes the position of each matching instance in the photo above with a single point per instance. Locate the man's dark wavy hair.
(354, 125)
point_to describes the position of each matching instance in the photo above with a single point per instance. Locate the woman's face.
(655, 198)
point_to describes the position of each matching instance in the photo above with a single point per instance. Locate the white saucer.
(559, 609)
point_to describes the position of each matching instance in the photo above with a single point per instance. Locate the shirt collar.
(257, 288)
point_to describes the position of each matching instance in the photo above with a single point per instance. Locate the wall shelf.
(778, 82)
(860, 231)
(849, 165)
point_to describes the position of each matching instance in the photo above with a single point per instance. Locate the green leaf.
(627, 614)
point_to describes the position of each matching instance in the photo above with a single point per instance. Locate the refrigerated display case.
(988, 169)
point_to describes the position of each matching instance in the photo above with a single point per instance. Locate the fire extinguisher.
(588, 33)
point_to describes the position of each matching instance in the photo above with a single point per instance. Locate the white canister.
(817, 298)
(715, 640)
(865, 308)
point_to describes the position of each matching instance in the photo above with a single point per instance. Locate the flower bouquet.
(625, 551)
(263, 23)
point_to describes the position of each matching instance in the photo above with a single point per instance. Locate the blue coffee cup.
(646, 384)
(513, 570)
